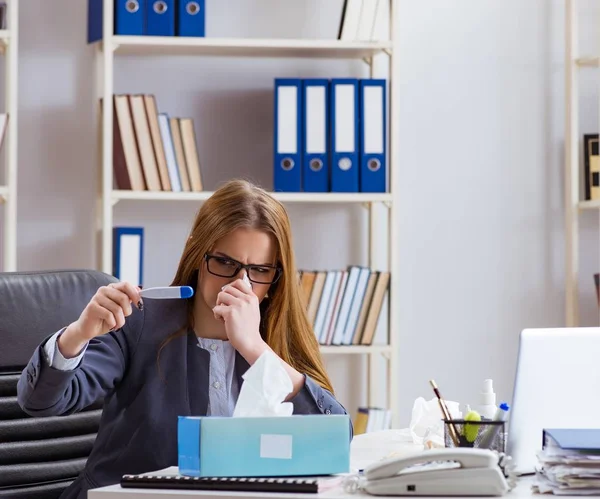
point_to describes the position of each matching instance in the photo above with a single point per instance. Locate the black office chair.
(40, 457)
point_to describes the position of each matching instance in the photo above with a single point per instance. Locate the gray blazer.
(138, 428)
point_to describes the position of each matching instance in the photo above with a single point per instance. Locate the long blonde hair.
(284, 324)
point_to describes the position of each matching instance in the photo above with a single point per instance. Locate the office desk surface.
(522, 491)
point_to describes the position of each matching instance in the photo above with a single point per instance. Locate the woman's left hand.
(238, 307)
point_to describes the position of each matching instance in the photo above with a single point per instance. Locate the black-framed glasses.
(223, 266)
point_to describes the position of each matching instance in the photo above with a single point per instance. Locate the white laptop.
(557, 385)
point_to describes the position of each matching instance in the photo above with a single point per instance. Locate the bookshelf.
(575, 204)
(9, 43)
(113, 46)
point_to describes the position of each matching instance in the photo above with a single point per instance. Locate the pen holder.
(483, 434)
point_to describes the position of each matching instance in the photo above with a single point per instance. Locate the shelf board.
(589, 205)
(353, 349)
(246, 47)
(592, 62)
(284, 197)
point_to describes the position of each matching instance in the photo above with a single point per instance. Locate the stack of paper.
(569, 462)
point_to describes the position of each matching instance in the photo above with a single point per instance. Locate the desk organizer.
(476, 434)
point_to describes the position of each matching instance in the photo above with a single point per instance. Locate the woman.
(156, 360)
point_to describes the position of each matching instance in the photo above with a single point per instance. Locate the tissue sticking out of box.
(265, 387)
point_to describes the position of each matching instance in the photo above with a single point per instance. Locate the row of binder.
(330, 135)
(149, 17)
(152, 151)
(343, 306)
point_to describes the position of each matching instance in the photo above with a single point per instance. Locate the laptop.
(557, 385)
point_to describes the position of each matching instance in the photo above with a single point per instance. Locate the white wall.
(481, 150)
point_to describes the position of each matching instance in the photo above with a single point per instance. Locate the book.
(171, 479)
(591, 167)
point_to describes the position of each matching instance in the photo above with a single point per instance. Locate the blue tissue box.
(263, 446)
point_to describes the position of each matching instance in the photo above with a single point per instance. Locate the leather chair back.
(40, 457)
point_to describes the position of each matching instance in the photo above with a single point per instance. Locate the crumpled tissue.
(266, 385)
(426, 431)
(426, 424)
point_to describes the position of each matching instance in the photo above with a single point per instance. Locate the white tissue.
(426, 431)
(265, 387)
(426, 425)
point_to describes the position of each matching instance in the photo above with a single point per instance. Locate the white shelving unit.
(574, 205)
(113, 46)
(9, 47)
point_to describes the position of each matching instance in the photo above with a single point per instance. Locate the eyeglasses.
(228, 267)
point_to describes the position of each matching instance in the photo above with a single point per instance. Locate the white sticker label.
(287, 120)
(276, 446)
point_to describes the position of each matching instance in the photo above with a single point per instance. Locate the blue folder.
(315, 135)
(94, 20)
(298, 445)
(191, 18)
(344, 135)
(160, 18)
(581, 439)
(372, 119)
(130, 17)
(287, 168)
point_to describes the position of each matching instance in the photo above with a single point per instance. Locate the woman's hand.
(237, 306)
(105, 312)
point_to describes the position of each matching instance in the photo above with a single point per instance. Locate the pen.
(445, 413)
(488, 437)
(167, 292)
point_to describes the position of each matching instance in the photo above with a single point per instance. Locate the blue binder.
(287, 168)
(191, 18)
(94, 20)
(577, 439)
(344, 135)
(128, 254)
(160, 17)
(373, 164)
(130, 17)
(315, 133)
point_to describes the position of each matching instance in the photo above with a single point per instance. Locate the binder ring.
(374, 165)
(132, 6)
(287, 164)
(192, 8)
(345, 164)
(160, 7)
(316, 165)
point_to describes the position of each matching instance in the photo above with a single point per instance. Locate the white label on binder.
(373, 120)
(344, 118)
(276, 446)
(287, 120)
(315, 120)
(129, 265)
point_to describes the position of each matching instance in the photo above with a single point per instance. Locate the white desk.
(522, 491)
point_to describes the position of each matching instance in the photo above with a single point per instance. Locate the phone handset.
(466, 457)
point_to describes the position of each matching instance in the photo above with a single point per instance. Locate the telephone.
(440, 472)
